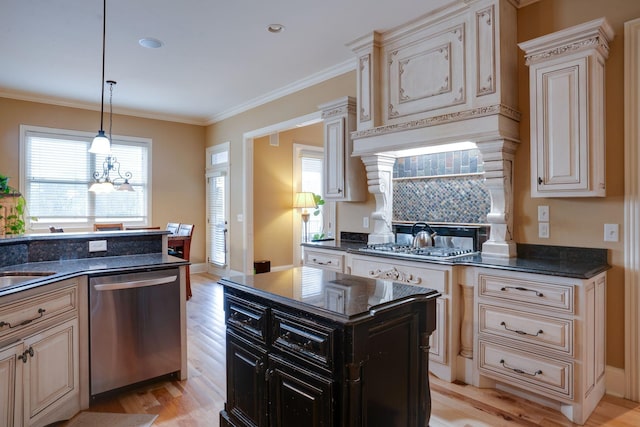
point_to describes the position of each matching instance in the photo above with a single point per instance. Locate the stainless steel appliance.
(134, 327)
(449, 242)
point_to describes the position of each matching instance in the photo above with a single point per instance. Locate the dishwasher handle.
(134, 284)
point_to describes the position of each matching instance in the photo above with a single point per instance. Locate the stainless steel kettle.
(424, 237)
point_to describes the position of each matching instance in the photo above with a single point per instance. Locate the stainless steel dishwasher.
(134, 328)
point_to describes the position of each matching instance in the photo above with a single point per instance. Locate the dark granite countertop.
(306, 288)
(25, 238)
(562, 261)
(65, 269)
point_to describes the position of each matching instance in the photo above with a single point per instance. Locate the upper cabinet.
(566, 90)
(345, 178)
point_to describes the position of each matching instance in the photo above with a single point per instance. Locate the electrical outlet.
(543, 230)
(611, 232)
(543, 213)
(365, 222)
(97, 245)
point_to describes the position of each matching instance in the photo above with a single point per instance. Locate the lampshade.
(304, 200)
(102, 187)
(125, 186)
(100, 144)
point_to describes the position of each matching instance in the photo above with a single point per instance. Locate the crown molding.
(296, 86)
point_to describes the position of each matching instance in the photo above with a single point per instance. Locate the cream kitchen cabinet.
(40, 368)
(445, 340)
(344, 175)
(327, 259)
(543, 335)
(567, 100)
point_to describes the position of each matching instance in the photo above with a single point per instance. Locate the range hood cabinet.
(449, 76)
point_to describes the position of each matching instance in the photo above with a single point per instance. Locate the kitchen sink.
(9, 278)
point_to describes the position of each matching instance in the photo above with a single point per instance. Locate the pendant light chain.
(104, 37)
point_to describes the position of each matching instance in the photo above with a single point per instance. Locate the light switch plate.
(543, 230)
(611, 232)
(543, 213)
(97, 245)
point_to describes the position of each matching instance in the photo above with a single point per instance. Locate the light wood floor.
(197, 401)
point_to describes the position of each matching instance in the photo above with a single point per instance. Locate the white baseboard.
(615, 383)
(198, 268)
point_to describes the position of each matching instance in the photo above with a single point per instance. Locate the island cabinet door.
(246, 391)
(299, 397)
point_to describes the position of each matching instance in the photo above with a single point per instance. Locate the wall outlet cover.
(543, 230)
(97, 245)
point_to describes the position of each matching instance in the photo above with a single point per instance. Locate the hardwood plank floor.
(197, 401)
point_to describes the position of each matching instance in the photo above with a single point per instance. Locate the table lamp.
(305, 200)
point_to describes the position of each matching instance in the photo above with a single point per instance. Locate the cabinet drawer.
(309, 341)
(328, 261)
(535, 294)
(526, 369)
(399, 271)
(247, 318)
(39, 309)
(549, 332)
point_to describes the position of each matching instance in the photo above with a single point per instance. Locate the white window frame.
(328, 209)
(214, 170)
(43, 226)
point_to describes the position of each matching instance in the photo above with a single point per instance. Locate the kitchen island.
(307, 346)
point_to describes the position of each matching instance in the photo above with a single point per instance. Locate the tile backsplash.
(441, 187)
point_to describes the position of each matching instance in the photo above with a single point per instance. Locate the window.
(311, 180)
(58, 169)
(217, 203)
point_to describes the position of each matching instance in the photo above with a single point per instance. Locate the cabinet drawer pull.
(520, 288)
(517, 331)
(24, 322)
(26, 353)
(520, 371)
(320, 262)
(539, 181)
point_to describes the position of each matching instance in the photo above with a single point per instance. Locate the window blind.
(58, 170)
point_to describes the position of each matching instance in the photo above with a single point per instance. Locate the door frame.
(247, 180)
(632, 207)
(210, 171)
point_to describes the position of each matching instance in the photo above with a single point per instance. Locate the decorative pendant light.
(103, 181)
(101, 144)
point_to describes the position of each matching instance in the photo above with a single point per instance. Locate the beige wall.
(283, 109)
(177, 168)
(273, 188)
(574, 221)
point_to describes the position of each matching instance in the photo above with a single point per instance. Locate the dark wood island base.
(308, 347)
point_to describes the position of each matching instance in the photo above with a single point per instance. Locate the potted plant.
(319, 202)
(13, 207)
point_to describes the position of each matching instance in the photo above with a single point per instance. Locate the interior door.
(217, 206)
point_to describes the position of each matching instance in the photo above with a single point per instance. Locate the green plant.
(15, 211)
(319, 202)
(4, 184)
(14, 220)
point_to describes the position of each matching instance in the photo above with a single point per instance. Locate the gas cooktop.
(429, 252)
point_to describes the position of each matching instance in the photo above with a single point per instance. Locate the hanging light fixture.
(101, 144)
(104, 183)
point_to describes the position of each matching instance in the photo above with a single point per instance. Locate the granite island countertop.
(306, 288)
(562, 261)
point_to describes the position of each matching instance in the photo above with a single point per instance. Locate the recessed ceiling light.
(275, 28)
(150, 43)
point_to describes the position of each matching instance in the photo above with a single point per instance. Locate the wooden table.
(183, 244)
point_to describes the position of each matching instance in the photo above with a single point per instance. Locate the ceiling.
(218, 59)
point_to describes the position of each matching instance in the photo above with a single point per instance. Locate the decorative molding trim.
(497, 109)
(485, 76)
(592, 35)
(632, 208)
(395, 275)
